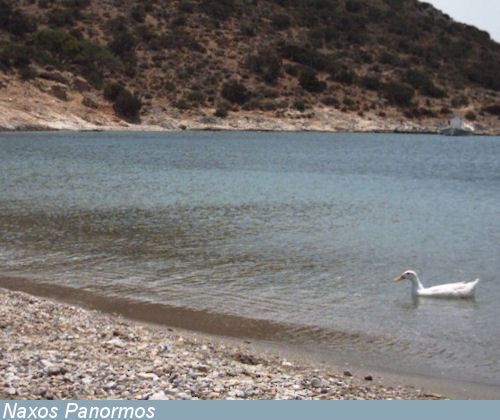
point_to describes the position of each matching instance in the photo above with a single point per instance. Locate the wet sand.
(45, 343)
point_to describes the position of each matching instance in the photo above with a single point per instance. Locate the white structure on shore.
(458, 127)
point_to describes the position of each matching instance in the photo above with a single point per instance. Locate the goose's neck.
(416, 285)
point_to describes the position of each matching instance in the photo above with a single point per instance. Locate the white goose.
(450, 290)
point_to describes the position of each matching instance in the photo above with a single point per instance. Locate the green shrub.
(182, 104)
(421, 81)
(247, 29)
(309, 81)
(178, 21)
(353, 6)
(27, 73)
(15, 21)
(127, 105)
(299, 105)
(196, 96)
(186, 7)
(345, 76)
(305, 56)
(123, 44)
(235, 92)
(61, 48)
(280, 21)
(371, 83)
(389, 59)
(5, 12)
(493, 109)
(292, 70)
(112, 90)
(138, 13)
(266, 64)
(485, 76)
(17, 55)
(179, 38)
(76, 3)
(61, 17)
(222, 111)
(471, 116)
(330, 101)
(399, 94)
(45, 4)
(220, 10)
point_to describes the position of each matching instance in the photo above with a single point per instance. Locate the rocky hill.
(247, 64)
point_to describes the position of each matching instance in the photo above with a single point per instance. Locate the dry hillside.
(272, 64)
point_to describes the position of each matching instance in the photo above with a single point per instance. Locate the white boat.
(458, 127)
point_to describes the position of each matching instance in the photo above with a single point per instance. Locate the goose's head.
(407, 275)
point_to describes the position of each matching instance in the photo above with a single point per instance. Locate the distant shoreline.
(147, 128)
(138, 129)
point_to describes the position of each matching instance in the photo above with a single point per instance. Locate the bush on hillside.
(266, 64)
(309, 81)
(471, 116)
(220, 10)
(493, 109)
(399, 94)
(27, 73)
(370, 83)
(280, 21)
(15, 55)
(123, 44)
(353, 6)
(61, 48)
(138, 13)
(305, 56)
(235, 92)
(179, 38)
(112, 90)
(196, 96)
(345, 76)
(15, 21)
(125, 104)
(485, 76)
(62, 17)
(421, 81)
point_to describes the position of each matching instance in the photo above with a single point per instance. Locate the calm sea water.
(305, 230)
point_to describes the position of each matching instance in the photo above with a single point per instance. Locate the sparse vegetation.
(267, 54)
(421, 81)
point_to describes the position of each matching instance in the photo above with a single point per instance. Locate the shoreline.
(154, 129)
(271, 359)
(58, 351)
(139, 128)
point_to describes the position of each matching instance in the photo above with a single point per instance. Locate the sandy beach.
(52, 350)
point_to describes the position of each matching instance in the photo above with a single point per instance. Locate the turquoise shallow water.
(306, 230)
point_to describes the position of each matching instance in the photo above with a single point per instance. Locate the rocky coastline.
(52, 350)
(46, 104)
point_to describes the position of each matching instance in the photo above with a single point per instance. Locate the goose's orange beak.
(398, 278)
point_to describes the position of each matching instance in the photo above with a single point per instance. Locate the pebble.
(316, 382)
(160, 395)
(54, 350)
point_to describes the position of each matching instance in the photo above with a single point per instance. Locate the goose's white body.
(450, 290)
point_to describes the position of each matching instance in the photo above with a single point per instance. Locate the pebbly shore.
(52, 350)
